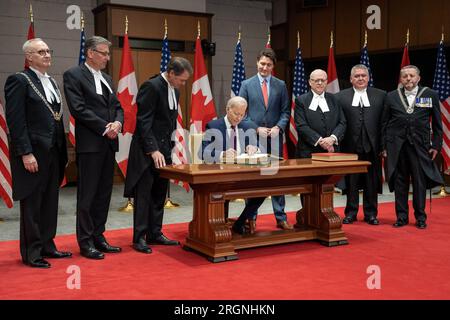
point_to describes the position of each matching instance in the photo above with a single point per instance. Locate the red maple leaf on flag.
(129, 110)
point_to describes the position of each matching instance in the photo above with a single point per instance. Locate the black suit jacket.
(155, 123)
(32, 130)
(399, 127)
(311, 125)
(372, 118)
(91, 111)
(211, 145)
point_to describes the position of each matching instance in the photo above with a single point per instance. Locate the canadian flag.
(405, 59)
(333, 82)
(126, 93)
(202, 104)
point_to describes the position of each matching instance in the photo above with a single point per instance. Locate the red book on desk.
(334, 156)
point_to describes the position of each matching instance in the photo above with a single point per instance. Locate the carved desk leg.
(208, 232)
(330, 226)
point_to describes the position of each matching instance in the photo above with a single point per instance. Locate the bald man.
(319, 120)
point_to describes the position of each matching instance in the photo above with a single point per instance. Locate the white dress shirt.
(229, 133)
(411, 95)
(173, 105)
(360, 98)
(98, 79)
(319, 101)
(50, 92)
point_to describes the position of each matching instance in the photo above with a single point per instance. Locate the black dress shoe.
(104, 246)
(57, 254)
(372, 220)
(421, 224)
(162, 239)
(238, 228)
(348, 220)
(39, 263)
(141, 246)
(400, 223)
(92, 253)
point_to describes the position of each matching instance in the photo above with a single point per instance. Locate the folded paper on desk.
(334, 156)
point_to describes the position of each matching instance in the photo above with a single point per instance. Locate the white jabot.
(360, 98)
(411, 95)
(50, 92)
(172, 98)
(98, 79)
(319, 101)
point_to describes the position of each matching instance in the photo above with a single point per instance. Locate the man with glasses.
(38, 153)
(319, 120)
(362, 106)
(98, 120)
(151, 149)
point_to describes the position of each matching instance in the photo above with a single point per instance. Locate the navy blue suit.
(213, 147)
(277, 113)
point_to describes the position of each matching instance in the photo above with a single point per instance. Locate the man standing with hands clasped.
(410, 145)
(98, 120)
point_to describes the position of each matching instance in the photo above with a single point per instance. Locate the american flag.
(179, 153)
(238, 70)
(81, 59)
(5, 168)
(299, 87)
(365, 61)
(441, 84)
(165, 55)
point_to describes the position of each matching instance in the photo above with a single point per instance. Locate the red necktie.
(265, 94)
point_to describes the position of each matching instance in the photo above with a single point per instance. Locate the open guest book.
(334, 156)
(257, 158)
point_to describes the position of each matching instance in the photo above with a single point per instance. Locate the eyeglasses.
(103, 53)
(318, 80)
(43, 52)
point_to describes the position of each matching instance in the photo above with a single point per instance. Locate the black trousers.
(408, 166)
(251, 206)
(39, 214)
(369, 183)
(94, 188)
(149, 197)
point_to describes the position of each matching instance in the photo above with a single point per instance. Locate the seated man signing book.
(228, 137)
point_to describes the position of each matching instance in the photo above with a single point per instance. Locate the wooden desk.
(209, 233)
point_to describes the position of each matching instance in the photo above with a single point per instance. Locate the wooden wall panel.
(377, 38)
(322, 23)
(430, 31)
(150, 25)
(445, 20)
(348, 21)
(403, 14)
(299, 20)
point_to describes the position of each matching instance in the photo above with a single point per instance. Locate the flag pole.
(169, 204)
(129, 207)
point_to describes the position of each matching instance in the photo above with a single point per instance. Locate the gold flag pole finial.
(31, 13)
(442, 34)
(165, 28)
(198, 29)
(407, 37)
(268, 35)
(239, 33)
(298, 39)
(331, 40)
(82, 20)
(126, 24)
(365, 38)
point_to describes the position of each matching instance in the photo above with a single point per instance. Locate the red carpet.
(415, 264)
